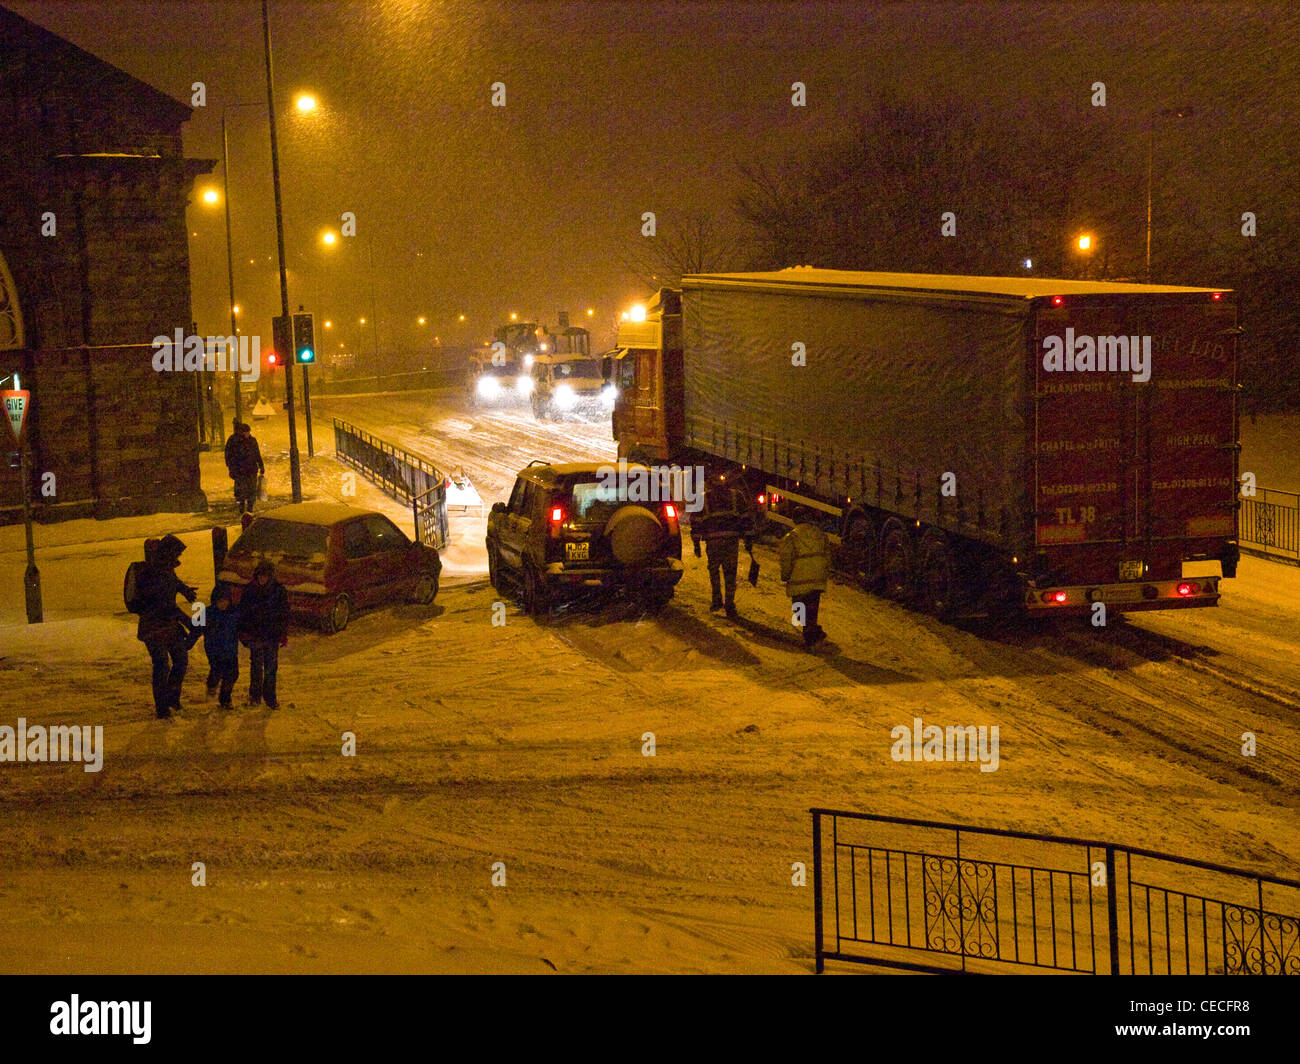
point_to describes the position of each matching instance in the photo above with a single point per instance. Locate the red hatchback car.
(333, 560)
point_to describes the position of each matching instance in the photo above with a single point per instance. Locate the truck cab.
(646, 370)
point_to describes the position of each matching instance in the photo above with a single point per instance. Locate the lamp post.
(295, 473)
(1167, 112)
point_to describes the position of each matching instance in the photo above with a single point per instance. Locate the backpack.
(131, 592)
(131, 588)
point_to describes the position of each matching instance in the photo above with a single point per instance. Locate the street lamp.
(1167, 112)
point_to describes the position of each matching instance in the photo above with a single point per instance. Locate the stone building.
(94, 263)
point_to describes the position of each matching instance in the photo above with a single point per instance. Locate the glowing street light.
(514, 316)
(1085, 242)
(211, 195)
(305, 102)
(591, 312)
(328, 237)
(420, 320)
(462, 317)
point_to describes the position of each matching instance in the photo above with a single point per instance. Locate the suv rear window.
(594, 503)
(290, 538)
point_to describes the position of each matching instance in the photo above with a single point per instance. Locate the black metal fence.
(1270, 524)
(935, 897)
(403, 476)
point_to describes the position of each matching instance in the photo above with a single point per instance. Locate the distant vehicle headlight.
(564, 395)
(489, 387)
(609, 394)
(528, 361)
(524, 385)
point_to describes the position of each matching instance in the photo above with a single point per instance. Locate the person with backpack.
(805, 554)
(264, 628)
(221, 644)
(165, 630)
(244, 463)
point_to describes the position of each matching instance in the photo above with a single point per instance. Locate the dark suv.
(568, 528)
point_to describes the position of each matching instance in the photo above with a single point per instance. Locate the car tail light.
(670, 516)
(1057, 301)
(1055, 597)
(762, 500)
(1217, 296)
(1187, 588)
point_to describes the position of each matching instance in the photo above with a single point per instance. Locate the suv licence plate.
(577, 552)
(1130, 570)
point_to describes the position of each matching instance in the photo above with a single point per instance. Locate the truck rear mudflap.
(1183, 593)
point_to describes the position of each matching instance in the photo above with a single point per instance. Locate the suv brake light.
(557, 519)
(670, 516)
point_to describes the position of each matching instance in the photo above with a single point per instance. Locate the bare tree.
(685, 242)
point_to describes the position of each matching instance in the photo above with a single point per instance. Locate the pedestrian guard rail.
(403, 476)
(1270, 525)
(930, 896)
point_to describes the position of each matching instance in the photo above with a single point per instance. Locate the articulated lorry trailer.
(971, 444)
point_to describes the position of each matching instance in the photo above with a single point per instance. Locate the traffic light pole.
(295, 474)
(306, 408)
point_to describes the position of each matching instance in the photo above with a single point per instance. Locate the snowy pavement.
(523, 744)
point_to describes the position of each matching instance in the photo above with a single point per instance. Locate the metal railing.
(1270, 525)
(930, 896)
(401, 475)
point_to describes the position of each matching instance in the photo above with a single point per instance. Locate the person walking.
(264, 628)
(221, 644)
(244, 463)
(726, 518)
(164, 627)
(805, 554)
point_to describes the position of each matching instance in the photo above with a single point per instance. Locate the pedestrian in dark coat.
(264, 628)
(244, 463)
(726, 519)
(221, 644)
(164, 627)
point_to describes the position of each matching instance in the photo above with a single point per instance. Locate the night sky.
(618, 108)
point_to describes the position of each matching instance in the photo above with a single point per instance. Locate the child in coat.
(221, 644)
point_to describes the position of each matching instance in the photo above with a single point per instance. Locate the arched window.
(11, 317)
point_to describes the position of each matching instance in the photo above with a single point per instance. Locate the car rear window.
(291, 539)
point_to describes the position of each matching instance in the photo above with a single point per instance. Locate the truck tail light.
(1188, 588)
(1055, 598)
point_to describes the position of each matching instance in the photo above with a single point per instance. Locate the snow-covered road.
(523, 743)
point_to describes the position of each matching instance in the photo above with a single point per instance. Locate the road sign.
(16, 405)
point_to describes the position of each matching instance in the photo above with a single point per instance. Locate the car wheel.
(426, 589)
(339, 614)
(653, 601)
(494, 567)
(536, 599)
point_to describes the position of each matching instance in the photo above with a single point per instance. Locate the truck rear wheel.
(898, 574)
(859, 557)
(936, 584)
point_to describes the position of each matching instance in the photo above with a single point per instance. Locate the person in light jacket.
(805, 565)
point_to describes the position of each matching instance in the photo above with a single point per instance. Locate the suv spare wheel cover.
(634, 534)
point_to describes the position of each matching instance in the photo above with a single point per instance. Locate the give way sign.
(16, 404)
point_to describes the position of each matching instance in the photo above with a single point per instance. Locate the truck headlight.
(524, 385)
(489, 387)
(564, 396)
(609, 394)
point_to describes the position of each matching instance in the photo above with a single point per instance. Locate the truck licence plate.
(1130, 570)
(577, 552)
